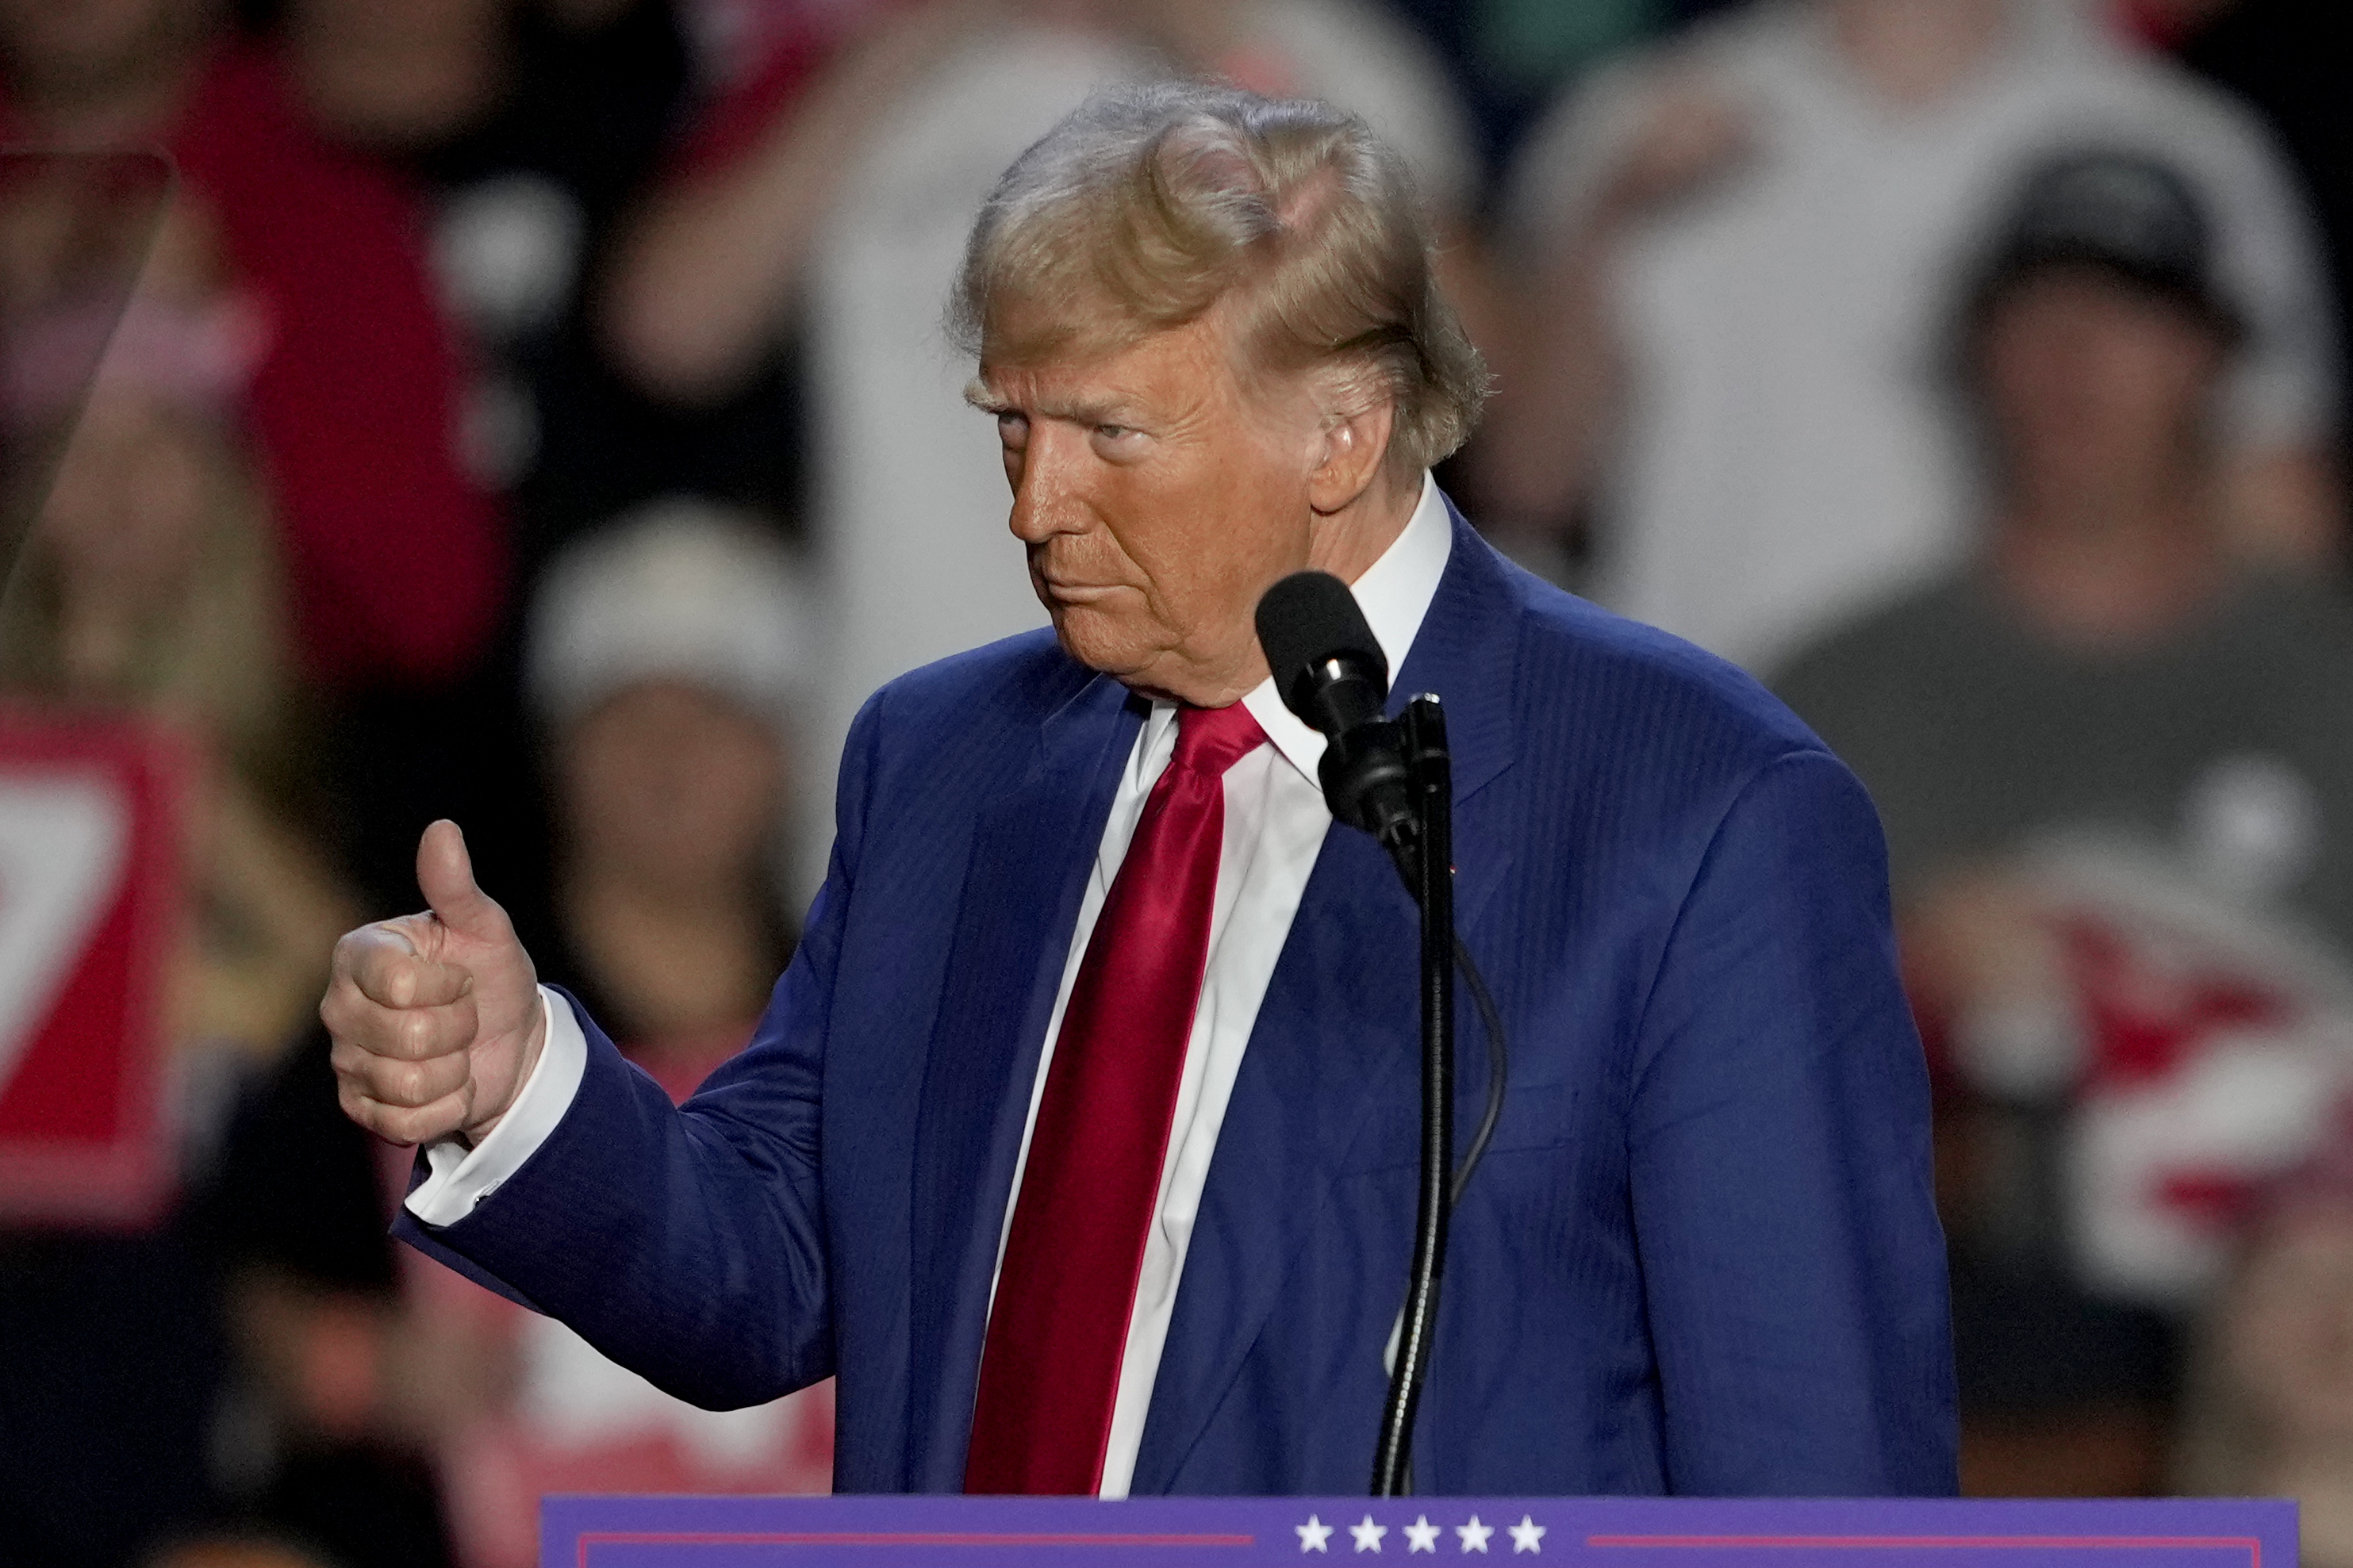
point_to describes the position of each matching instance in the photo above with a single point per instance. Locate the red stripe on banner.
(2252, 1547)
(868, 1538)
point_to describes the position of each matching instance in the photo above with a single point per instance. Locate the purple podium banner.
(1233, 1533)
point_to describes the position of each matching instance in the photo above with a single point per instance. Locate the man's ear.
(1354, 448)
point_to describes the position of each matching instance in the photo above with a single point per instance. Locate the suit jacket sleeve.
(687, 1243)
(1778, 1139)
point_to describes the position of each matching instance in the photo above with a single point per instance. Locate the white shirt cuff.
(460, 1177)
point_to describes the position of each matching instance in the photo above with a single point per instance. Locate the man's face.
(2092, 382)
(673, 786)
(1158, 497)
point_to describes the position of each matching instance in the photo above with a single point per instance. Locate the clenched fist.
(436, 1016)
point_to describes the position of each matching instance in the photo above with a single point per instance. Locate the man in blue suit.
(1079, 1139)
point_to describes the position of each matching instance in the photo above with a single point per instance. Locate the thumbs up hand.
(436, 1016)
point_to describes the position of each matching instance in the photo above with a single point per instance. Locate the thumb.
(444, 875)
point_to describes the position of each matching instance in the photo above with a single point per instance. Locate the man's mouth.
(1064, 593)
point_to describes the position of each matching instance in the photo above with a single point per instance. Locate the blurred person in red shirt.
(394, 558)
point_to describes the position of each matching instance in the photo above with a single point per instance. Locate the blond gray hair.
(1148, 207)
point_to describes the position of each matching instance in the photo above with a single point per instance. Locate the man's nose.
(1045, 491)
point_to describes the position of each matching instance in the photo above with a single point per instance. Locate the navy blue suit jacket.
(1700, 1256)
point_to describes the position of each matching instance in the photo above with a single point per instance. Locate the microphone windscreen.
(1308, 618)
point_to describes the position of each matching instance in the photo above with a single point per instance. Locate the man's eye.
(1012, 429)
(1111, 432)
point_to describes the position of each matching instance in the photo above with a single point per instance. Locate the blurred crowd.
(538, 413)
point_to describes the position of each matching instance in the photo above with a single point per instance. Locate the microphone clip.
(1393, 779)
(1366, 781)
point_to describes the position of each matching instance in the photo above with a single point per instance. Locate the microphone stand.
(1426, 858)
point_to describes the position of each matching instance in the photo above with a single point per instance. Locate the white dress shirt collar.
(1395, 593)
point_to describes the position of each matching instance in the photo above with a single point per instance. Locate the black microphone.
(1329, 670)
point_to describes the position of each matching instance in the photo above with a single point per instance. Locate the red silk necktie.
(1058, 1332)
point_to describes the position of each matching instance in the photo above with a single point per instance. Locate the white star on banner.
(1369, 1534)
(1422, 1536)
(1526, 1535)
(1474, 1534)
(1314, 1534)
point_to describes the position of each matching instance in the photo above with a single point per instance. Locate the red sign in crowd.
(88, 868)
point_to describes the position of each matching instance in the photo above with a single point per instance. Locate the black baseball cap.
(2121, 211)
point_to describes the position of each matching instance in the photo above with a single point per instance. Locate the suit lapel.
(1464, 652)
(1034, 849)
(1467, 652)
(1338, 1029)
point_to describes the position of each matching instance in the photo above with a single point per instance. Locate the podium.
(1591, 1532)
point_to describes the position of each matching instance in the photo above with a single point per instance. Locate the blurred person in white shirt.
(851, 217)
(1735, 253)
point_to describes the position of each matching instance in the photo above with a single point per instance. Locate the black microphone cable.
(1490, 1023)
(1499, 1066)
